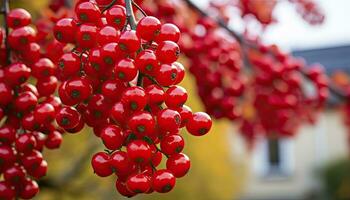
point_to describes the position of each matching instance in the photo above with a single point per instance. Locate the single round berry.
(138, 183)
(163, 181)
(172, 144)
(112, 137)
(100, 164)
(139, 151)
(178, 164)
(148, 28)
(199, 124)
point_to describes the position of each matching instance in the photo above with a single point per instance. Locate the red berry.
(172, 144)
(167, 75)
(175, 96)
(69, 64)
(25, 101)
(18, 17)
(116, 16)
(199, 124)
(155, 94)
(125, 70)
(139, 151)
(146, 61)
(86, 36)
(138, 183)
(7, 134)
(6, 191)
(122, 189)
(134, 98)
(120, 163)
(15, 174)
(6, 94)
(44, 113)
(29, 190)
(107, 34)
(21, 37)
(17, 73)
(65, 29)
(43, 68)
(168, 120)
(167, 52)
(47, 86)
(100, 164)
(25, 143)
(78, 89)
(148, 28)
(87, 12)
(163, 181)
(169, 32)
(68, 117)
(112, 137)
(53, 140)
(118, 113)
(142, 123)
(178, 164)
(129, 42)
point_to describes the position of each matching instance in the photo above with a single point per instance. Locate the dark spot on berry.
(141, 128)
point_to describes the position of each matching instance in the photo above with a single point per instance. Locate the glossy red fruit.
(7, 134)
(142, 123)
(199, 124)
(53, 140)
(18, 17)
(139, 151)
(78, 89)
(40, 171)
(148, 28)
(180, 72)
(69, 64)
(167, 75)
(185, 113)
(68, 117)
(116, 16)
(168, 52)
(122, 189)
(163, 181)
(168, 120)
(147, 62)
(65, 30)
(25, 101)
(15, 174)
(134, 98)
(21, 37)
(6, 94)
(44, 113)
(6, 191)
(169, 32)
(129, 42)
(100, 164)
(118, 113)
(138, 183)
(178, 164)
(112, 137)
(155, 94)
(7, 156)
(107, 34)
(87, 12)
(25, 143)
(175, 96)
(43, 68)
(47, 86)
(112, 89)
(17, 73)
(172, 144)
(31, 160)
(30, 189)
(120, 163)
(86, 36)
(125, 70)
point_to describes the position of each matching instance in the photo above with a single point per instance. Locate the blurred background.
(312, 165)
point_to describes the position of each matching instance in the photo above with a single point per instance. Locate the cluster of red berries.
(121, 79)
(215, 62)
(309, 11)
(27, 111)
(280, 101)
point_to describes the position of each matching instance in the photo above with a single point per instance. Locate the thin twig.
(130, 14)
(108, 6)
(139, 8)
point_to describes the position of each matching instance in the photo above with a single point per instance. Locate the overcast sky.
(293, 33)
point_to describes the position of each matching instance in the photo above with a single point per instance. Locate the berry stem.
(108, 6)
(5, 11)
(139, 8)
(336, 91)
(130, 14)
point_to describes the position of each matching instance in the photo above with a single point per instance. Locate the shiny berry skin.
(17, 73)
(142, 123)
(44, 113)
(18, 18)
(148, 28)
(21, 37)
(65, 29)
(6, 191)
(112, 89)
(100, 164)
(185, 113)
(167, 52)
(178, 164)
(78, 89)
(31, 160)
(122, 189)
(168, 120)
(53, 140)
(14, 174)
(66, 98)
(156, 94)
(134, 98)
(139, 151)
(118, 112)
(87, 12)
(7, 134)
(129, 42)
(108, 54)
(116, 16)
(180, 72)
(68, 64)
(138, 183)
(175, 96)
(25, 101)
(169, 32)
(172, 144)
(86, 36)
(43, 68)
(7, 156)
(125, 70)
(39, 171)
(120, 163)
(47, 86)
(30, 189)
(199, 124)
(112, 137)
(25, 143)
(107, 34)
(147, 62)
(163, 181)
(68, 117)
(6, 94)
(167, 75)
(31, 53)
